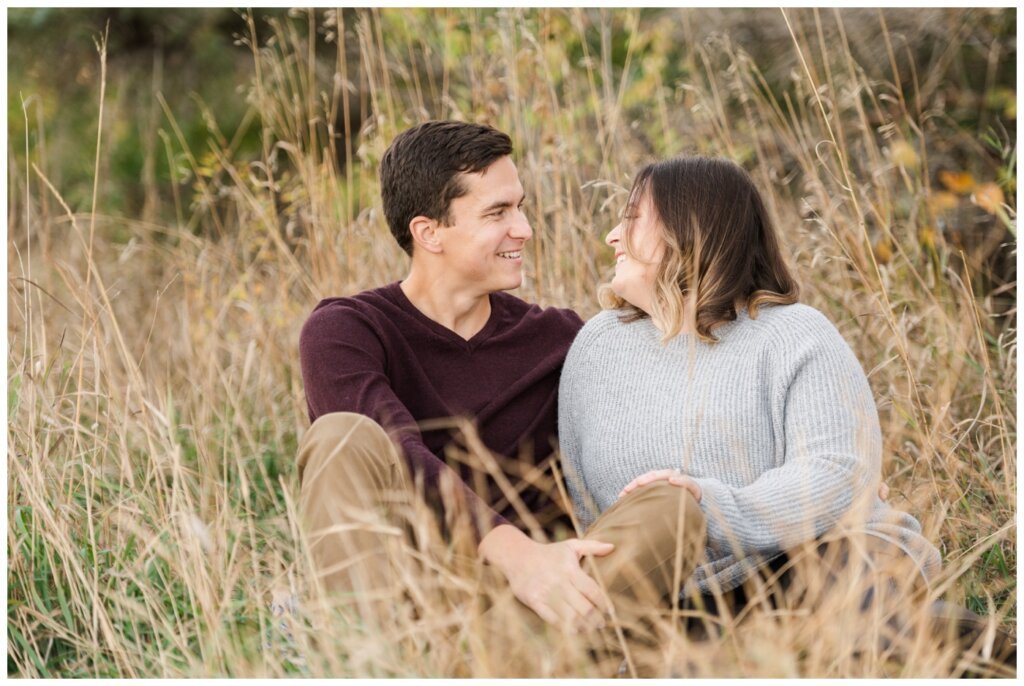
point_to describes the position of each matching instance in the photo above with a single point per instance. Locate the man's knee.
(344, 440)
(659, 533)
(652, 526)
(670, 514)
(341, 426)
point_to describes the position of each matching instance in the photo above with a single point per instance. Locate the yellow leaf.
(989, 197)
(903, 154)
(927, 237)
(883, 251)
(1004, 99)
(941, 201)
(958, 182)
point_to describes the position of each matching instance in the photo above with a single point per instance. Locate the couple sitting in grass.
(719, 441)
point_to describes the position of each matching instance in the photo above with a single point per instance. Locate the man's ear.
(425, 234)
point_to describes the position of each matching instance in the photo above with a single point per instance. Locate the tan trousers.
(373, 541)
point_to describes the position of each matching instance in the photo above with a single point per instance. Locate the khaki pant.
(373, 540)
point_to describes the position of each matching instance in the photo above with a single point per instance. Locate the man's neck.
(452, 307)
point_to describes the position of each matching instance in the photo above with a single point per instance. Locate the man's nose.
(521, 228)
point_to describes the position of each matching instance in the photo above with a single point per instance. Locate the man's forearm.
(426, 465)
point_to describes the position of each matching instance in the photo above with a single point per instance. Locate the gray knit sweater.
(776, 422)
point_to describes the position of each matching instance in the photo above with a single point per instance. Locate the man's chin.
(509, 285)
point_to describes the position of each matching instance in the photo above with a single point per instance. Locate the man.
(446, 341)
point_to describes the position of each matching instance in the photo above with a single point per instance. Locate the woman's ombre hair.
(720, 246)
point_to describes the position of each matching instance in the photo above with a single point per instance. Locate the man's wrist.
(499, 543)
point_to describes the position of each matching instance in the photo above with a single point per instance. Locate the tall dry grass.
(154, 393)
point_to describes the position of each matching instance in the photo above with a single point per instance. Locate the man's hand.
(547, 577)
(673, 476)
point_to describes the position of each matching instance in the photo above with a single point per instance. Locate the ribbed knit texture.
(776, 422)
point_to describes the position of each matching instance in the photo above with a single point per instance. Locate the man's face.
(483, 246)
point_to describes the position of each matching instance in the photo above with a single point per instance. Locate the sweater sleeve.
(344, 369)
(568, 435)
(832, 451)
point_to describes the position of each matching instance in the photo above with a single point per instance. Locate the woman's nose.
(613, 236)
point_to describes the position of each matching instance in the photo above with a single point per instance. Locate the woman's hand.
(673, 476)
(677, 478)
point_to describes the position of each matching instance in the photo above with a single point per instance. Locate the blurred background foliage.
(960, 62)
(187, 55)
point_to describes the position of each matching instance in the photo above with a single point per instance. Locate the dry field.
(154, 393)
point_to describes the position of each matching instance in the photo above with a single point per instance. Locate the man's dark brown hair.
(420, 173)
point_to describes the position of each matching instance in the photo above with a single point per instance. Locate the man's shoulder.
(367, 310)
(373, 299)
(367, 303)
(520, 312)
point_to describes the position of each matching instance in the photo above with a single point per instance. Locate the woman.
(707, 374)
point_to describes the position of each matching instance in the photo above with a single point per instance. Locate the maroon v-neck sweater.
(376, 354)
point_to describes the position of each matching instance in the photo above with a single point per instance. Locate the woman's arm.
(568, 438)
(832, 453)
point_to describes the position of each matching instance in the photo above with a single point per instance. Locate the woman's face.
(635, 273)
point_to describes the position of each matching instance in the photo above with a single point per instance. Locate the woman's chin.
(618, 289)
(624, 292)
(628, 301)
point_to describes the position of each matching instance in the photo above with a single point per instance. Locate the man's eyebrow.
(501, 204)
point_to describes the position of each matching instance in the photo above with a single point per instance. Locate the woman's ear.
(425, 234)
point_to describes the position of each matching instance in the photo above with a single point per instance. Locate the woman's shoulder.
(788, 315)
(797, 323)
(604, 324)
(802, 335)
(605, 320)
(596, 332)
